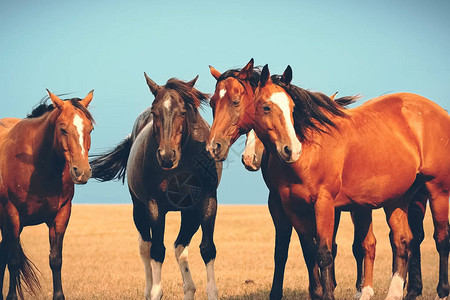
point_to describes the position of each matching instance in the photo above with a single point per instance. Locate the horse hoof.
(411, 296)
(58, 296)
(443, 298)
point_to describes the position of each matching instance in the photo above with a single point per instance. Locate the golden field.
(101, 258)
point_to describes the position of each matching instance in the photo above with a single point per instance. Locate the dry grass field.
(101, 258)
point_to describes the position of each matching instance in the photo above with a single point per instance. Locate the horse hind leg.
(364, 245)
(21, 269)
(401, 237)
(439, 205)
(416, 213)
(190, 222)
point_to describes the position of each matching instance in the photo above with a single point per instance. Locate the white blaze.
(222, 93)
(282, 101)
(250, 144)
(78, 123)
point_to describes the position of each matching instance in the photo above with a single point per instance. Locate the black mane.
(254, 80)
(42, 108)
(310, 106)
(190, 95)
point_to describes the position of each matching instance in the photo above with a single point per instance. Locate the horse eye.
(182, 114)
(236, 102)
(63, 131)
(266, 108)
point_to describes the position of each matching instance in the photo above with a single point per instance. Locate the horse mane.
(254, 80)
(190, 95)
(42, 108)
(311, 108)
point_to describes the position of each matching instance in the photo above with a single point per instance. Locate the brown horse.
(168, 169)
(232, 104)
(41, 157)
(382, 154)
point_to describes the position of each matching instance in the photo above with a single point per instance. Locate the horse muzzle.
(80, 176)
(218, 149)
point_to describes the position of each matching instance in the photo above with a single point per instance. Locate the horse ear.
(265, 74)
(287, 75)
(192, 82)
(246, 71)
(216, 74)
(58, 103)
(87, 99)
(154, 88)
(333, 96)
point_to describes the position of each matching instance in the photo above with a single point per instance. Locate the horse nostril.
(287, 150)
(217, 146)
(75, 171)
(174, 153)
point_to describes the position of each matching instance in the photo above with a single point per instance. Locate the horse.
(383, 153)
(232, 104)
(252, 158)
(41, 158)
(168, 169)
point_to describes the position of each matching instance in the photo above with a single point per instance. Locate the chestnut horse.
(41, 158)
(382, 154)
(231, 103)
(168, 169)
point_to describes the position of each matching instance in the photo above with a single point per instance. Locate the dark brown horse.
(168, 169)
(384, 153)
(41, 157)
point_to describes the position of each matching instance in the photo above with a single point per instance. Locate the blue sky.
(365, 47)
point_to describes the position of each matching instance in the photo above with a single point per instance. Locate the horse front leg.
(283, 232)
(157, 250)
(190, 222)
(57, 230)
(324, 213)
(207, 247)
(400, 240)
(142, 223)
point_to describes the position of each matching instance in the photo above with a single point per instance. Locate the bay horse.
(168, 169)
(41, 158)
(383, 153)
(232, 105)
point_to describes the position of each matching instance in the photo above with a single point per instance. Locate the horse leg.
(337, 220)
(3, 260)
(401, 236)
(56, 231)
(309, 247)
(207, 247)
(416, 213)
(439, 209)
(364, 251)
(157, 250)
(12, 242)
(190, 222)
(283, 232)
(141, 221)
(324, 212)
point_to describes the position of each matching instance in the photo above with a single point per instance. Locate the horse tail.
(112, 165)
(27, 270)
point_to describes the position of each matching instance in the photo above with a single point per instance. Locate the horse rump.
(112, 165)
